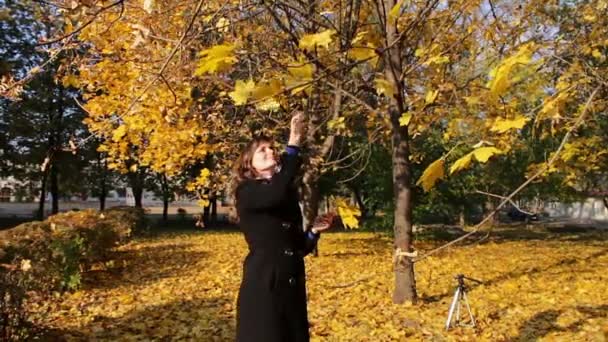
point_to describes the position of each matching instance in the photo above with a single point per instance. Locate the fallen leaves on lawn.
(184, 287)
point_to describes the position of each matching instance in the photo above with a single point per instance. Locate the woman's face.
(263, 160)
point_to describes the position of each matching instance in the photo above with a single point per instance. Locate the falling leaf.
(503, 125)
(501, 75)
(384, 87)
(461, 163)
(215, 59)
(405, 118)
(432, 174)
(431, 96)
(348, 213)
(310, 41)
(242, 91)
(482, 154)
(395, 11)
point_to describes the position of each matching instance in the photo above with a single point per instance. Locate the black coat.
(272, 298)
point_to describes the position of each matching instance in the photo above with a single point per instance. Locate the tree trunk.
(136, 180)
(54, 189)
(213, 204)
(138, 192)
(359, 200)
(207, 211)
(461, 219)
(103, 189)
(40, 214)
(405, 282)
(165, 191)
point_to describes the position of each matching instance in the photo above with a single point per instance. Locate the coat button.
(288, 252)
(292, 281)
(286, 225)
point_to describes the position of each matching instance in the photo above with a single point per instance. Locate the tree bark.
(213, 204)
(40, 214)
(54, 190)
(103, 190)
(359, 200)
(165, 191)
(137, 184)
(405, 281)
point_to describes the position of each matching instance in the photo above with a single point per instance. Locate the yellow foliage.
(431, 96)
(348, 213)
(242, 91)
(184, 287)
(336, 124)
(503, 125)
(482, 154)
(364, 53)
(502, 74)
(384, 87)
(308, 42)
(405, 119)
(215, 59)
(432, 174)
(461, 163)
(119, 133)
(395, 11)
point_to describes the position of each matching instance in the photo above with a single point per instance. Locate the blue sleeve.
(292, 150)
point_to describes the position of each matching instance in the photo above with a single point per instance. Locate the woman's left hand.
(323, 222)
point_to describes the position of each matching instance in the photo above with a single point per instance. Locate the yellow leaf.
(119, 133)
(431, 96)
(70, 81)
(304, 71)
(133, 168)
(461, 163)
(395, 11)
(267, 89)
(348, 213)
(502, 73)
(472, 100)
(215, 59)
(503, 125)
(433, 172)
(269, 105)
(597, 54)
(384, 87)
(242, 91)
(438, 59)
(337, 123)
(405, 118)
(482, 154)
(309, 41)
(364, 53)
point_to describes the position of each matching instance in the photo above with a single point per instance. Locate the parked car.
(518, 215)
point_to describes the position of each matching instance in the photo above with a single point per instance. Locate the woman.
(272, 299)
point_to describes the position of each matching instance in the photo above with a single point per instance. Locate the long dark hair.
(242, 168)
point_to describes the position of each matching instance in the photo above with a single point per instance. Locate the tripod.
(460, 296)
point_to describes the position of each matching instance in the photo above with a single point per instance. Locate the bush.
(14, 324)
(128, 219)
(181, 212)
(42, 257)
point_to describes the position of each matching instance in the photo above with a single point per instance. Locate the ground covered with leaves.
(536, 285)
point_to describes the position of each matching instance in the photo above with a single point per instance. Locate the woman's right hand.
(297, 129)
